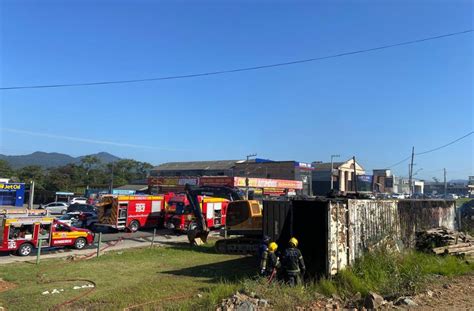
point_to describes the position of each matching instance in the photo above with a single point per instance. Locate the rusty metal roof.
(197, 165)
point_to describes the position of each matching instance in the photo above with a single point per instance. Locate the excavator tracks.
(238, 246)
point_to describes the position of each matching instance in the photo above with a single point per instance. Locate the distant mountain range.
(51, 159)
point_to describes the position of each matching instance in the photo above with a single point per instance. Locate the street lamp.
(332, 168)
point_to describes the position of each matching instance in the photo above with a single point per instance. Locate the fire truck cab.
(21, 233)
(131, 212)
(180, 217)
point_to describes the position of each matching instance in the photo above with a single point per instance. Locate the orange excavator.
(243, 220)
(198, 229)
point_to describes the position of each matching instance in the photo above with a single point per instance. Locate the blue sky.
(374, 106)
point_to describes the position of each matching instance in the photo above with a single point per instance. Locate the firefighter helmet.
(272, 247)
(294, 242)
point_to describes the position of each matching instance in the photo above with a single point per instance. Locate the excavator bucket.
(197, 237)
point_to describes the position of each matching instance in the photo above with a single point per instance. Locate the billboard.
(252, 182)
(12, 194)
(364, 182)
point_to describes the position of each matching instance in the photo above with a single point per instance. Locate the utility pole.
(332, 168)
(354, 182)
(32, 194)
(445, 184)
(410, 178)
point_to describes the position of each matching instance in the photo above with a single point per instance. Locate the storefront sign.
(12, 194)
(217, 181)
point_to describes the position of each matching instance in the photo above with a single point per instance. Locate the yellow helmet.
(272, 247)
(294, 242)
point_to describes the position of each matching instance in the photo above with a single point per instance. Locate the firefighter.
(263, 247)
(270, 261)
(293, 264)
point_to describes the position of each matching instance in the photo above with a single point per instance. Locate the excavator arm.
(197, 234)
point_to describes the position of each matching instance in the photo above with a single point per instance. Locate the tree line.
(91, 172)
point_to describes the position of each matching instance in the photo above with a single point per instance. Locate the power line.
(400, 162)
(239, 69)
(444, 146)
(432, 150)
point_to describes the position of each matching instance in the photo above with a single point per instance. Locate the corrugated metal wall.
(416, 215)
(370, 221)
(352, 226)
(337, 237)
(358, 225)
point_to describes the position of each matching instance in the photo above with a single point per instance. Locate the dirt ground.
(4, 285)
(455, 293)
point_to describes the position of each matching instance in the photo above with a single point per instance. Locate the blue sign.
(365, 178)
(12, 194)
(364, 182)
(123, 192)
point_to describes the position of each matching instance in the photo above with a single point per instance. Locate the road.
(126, 240)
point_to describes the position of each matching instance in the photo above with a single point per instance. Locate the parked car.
(398, 196)
(78, 200)
(80, 219)
(87, 208)
(55, 207)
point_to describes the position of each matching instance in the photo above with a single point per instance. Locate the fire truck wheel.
(25, 249)
(80, 243)
(133, 226)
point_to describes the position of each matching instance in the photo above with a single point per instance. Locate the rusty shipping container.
(334, 232)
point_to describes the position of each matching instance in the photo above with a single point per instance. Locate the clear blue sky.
(374, 105)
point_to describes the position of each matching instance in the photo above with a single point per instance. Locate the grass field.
(172, 277)
(460, 202)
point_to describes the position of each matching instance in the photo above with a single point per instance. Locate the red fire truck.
(20, 232)
(180, 217)
(131, 212)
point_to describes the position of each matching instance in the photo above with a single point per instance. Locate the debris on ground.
(83, 286)
(54, 291)
(373, 301)
(243, 302)
(443, 241)
(405, 301)
(4, 285)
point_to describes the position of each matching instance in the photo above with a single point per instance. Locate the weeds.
(389, 274)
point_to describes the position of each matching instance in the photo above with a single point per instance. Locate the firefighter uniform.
(269, 260)
(293, 264)
(262, 248)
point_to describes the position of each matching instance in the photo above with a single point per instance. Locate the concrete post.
(38, 254)
(99, 244)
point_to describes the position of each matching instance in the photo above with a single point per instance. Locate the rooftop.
(197, 165)
(327, 166)
(133, 187)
